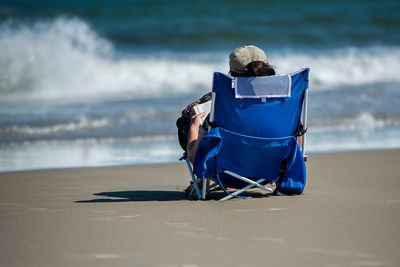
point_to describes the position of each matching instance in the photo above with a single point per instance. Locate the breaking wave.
(66, 59)
(347, 67)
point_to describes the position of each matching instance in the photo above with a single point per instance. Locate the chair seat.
(251, 157)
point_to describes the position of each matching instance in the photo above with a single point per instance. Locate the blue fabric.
(276, 117)
(252, 138)
(295, 177)
(252, 157)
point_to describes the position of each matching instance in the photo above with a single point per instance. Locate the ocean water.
(99, 83)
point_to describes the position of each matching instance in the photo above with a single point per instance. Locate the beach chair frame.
(210, 183)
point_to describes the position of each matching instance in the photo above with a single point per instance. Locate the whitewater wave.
(363, 122)
(82, 125)
(347, 67)
(66, 59)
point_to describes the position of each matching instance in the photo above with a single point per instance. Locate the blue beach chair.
(252, 141)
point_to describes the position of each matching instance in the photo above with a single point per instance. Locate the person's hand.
(198, 119)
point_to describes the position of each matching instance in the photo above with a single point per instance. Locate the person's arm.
(300, 141)
(194, 135)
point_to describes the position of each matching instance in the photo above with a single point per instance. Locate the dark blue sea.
(99, 83)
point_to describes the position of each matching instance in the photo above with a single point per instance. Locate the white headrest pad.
(276, 86)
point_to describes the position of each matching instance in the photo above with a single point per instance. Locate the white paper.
(204, 107)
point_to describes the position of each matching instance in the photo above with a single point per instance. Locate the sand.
(349, 215)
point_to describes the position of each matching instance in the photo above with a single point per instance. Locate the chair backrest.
(252, 137)
(262, 117)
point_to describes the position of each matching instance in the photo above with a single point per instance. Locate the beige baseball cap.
(241, 56)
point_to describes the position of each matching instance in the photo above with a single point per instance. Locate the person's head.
(249, 60)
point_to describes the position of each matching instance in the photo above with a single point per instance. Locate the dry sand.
(349, 215)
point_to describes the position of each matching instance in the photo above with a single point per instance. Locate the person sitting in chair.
(245, 61)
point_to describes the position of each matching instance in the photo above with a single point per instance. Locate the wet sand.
(349, 215)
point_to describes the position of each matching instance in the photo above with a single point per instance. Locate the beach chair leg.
(194, 180)
(247, 180)
(194, 190)
(304, 121)
(250, 182)
(196, 187)
(204, 188)
(238, 192)
(211, 187)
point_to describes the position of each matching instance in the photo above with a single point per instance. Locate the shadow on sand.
(139, 195)
(154, 195)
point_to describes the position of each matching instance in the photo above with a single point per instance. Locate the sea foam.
(346, 67)
(65, 58)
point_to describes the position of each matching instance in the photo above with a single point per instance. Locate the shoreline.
(166, 162)
(137, 215)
